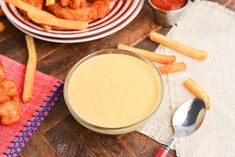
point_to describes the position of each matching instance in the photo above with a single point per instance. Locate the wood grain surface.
(60, 134)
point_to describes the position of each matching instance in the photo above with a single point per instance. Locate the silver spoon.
(187, 119)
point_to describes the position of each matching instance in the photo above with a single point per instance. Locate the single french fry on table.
(2, 27)
(179, 47)
(197, 91)
(50, 2)
(43, 17)
(158, 58)
(30, 69)
(172, 68)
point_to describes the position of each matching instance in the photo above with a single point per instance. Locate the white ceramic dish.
(120, 10)
(88, 38)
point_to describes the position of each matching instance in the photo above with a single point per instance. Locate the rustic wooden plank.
(38, 147)
(141, 145)
(99, 143)
(15, 47)
(59, 66)
(67, 142)
(106, 145)
(71, 123)
(58, 113)
(9, 31)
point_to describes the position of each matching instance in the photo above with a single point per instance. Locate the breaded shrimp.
(97, 9)
(74, 4)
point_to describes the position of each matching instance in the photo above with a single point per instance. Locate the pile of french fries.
(43, 17)
(168, 61)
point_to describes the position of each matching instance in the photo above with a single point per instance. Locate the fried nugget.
(7, 90)
(10, 111)
(9, 101)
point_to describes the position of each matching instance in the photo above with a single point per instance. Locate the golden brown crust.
(9, 101)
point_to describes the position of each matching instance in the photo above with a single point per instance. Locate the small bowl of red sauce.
(167, 12)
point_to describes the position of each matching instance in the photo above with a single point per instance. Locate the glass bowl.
(104, 130)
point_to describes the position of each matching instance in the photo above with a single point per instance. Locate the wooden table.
(60, 134)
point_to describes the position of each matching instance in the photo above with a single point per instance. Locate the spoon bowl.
(189, 117)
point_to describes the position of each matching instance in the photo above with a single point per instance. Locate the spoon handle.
(162, 152)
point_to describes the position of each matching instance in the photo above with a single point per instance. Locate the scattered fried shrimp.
(9, 101)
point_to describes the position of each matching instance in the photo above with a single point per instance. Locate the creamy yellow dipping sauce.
(114, 90)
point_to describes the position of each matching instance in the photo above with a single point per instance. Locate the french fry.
(158, 58)
(1, 12)
(2, 27)
(52, 21)
(171, 68)
(197, 91)
(27, 7)
(179, 47)
(50, 2)
(30, 69)
(43, 17)
(46, 28)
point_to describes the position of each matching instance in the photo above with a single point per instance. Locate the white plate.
(89, 38)
(120, 10)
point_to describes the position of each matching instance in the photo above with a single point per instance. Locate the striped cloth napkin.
(46, 91)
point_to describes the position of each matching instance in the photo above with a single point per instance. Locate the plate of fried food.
(70, 21)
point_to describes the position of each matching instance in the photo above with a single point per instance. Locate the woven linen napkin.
(210, 27)
(46, 91)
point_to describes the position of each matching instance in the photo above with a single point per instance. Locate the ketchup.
(169, 4)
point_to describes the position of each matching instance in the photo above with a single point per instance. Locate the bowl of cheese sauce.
(113, 91)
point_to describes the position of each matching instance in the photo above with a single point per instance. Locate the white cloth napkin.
(210, 27)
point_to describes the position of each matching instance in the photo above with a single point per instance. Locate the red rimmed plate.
(120, 10)
(92, 37)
